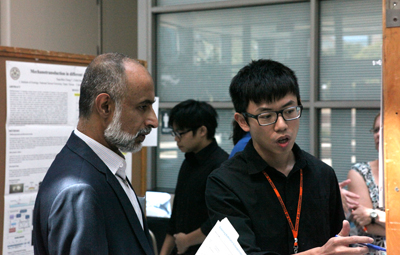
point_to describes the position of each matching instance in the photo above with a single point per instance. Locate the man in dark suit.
(85, 204)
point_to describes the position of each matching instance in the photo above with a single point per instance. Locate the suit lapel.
(81, 148)
(131, 214)
(145, 226)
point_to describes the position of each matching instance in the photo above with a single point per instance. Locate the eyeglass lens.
(179, 134)
(288, 114)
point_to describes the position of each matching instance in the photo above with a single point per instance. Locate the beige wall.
(120, 26)
(71, 26)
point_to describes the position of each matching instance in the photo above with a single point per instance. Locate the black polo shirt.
(189, 211)
(240, 191)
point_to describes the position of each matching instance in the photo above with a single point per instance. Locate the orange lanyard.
(295, 230)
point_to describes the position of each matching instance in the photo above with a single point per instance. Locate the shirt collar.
(112, 160)
(203, 154)
(257, 164)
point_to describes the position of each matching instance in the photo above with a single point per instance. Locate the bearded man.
(85, 204)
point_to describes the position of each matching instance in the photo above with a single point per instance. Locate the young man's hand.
(184, 241)
(181, 242)
(340, 244)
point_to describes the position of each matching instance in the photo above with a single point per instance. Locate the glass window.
(177, 2)
(199, 52)
(350, 50)
(303, 136)
(345, 138)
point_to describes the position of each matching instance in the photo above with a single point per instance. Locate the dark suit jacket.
(81, 208)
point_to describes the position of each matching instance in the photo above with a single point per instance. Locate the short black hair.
(192, 114)
(262, 80)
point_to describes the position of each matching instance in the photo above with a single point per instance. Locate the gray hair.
(105, 74)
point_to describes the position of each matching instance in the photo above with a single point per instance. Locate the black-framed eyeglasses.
(271, 117)
(375, 130)
(179, 134)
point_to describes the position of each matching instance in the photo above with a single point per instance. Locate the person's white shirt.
(117, 166)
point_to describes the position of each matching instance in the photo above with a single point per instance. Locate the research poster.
(42, 111)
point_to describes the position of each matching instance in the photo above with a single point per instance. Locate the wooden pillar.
(139, 172)
(391, 128)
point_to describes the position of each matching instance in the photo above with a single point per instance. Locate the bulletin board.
(64, 72)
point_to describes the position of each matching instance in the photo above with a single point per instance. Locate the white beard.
(123, 140)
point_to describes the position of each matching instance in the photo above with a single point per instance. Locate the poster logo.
(15, 73)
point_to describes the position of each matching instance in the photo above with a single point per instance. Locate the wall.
(120, 26)
(70, 26)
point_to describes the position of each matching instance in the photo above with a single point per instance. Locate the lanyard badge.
(295, 229)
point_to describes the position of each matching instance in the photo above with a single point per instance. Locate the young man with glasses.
(194, 124)
(279, 198)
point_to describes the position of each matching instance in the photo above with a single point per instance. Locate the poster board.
(16, 219)
(391, 122)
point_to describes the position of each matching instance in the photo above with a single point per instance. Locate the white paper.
(222, 239)
(42, 111)
(42, 94)
(18, 211)
(30, 152)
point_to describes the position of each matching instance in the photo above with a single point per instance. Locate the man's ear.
(104, 105)
(203, 131)
(242, 122)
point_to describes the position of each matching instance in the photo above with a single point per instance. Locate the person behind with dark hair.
(194, 124)
(85, 204)
(279, 198)
(239, 137)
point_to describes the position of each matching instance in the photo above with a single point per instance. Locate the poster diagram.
(18, 224)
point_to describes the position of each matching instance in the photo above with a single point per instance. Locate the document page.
(222, 239)
(42, 111)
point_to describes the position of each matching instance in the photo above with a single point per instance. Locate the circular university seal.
(15, 73)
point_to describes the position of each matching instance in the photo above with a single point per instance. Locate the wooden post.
(139, 172)
(391, 131)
